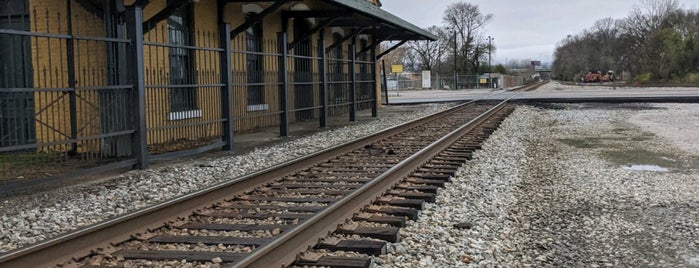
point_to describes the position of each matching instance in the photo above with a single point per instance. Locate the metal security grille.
(256, 83)
(16, 107)
(304, 82)
(88, 89)
(182, 86)
(366, 77)
(62, 92)
(339, 80)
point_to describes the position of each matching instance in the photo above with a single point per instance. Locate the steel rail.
(81, 242)
(283, 250)
(530, 87)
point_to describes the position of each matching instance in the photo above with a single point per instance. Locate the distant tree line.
(658, 41)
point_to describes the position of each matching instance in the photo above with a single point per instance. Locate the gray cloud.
(523, 29)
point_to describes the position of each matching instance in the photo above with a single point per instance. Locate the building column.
(134, 26)
(283, 85)
(228, 126)
(353, 83)
(323, 64)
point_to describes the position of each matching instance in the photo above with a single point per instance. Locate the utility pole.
(456, 77)
(490, 67)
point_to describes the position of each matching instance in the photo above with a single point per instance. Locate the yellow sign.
(396, 68)
(483, 81)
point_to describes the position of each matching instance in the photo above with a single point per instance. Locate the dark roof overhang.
(357, 14)
(385, 24)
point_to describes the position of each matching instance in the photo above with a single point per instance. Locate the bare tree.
(467, 21)
(397, 56)
(428, 54)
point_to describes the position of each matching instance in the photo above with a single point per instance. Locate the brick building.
(128, 80)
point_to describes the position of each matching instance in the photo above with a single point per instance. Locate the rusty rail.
(80, 243)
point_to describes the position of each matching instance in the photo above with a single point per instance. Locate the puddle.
(693, 262)
(640, 159)
(646, 168)
(668, 159)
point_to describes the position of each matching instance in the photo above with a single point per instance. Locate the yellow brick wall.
(206, 69)
(271, 25)
(49, 62)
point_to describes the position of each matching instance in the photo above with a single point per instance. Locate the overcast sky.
(523, 29)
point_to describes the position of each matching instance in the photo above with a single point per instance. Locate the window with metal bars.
(17, 122)
(336, 68)
(364, 70)
(255, 72)
(182, 94)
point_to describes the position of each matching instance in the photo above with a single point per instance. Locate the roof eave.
(369, 10)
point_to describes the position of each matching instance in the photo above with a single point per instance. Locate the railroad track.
(530, 87)
(352, 197)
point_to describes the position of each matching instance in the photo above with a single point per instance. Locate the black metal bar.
(220, 8)
(283, 86)
(142, 3)
(391, 49)
(226, 90)
(72, 100)
(352, 34)
(163, 14)
(353, 84)
(89, 6)
(384, 84)
(319, 27)
(157, 44)
(61, 36)
(257, 18)
(376, 43)
(134, 24)
(62, 142)
(322, 64)
(374, 104)
(181, 153)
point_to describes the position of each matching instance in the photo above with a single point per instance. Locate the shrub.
(692, 78)
(643, 78)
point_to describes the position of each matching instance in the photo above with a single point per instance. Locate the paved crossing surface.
(576, 94)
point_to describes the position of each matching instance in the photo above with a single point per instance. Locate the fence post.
(374, 104)
(323, 63)
(283, 85)
(224, 36)
(384, 83)
(72, 98)
(353, 85)
(134, 27)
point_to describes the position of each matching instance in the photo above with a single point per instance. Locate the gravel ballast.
(33, 218)
(585, 185)
(555, 86)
